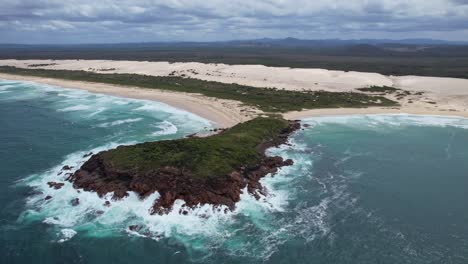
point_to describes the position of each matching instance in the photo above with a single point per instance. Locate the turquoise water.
(363, 189)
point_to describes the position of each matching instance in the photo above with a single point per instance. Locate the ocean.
(363, 189)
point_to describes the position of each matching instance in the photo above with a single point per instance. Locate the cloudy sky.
(104, 21)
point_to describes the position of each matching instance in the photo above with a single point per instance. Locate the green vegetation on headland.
(217, 155)
(379, 89)
(266, 99)
(211, 170)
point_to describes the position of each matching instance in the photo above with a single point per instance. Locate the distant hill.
(285, 42)
(339, 42)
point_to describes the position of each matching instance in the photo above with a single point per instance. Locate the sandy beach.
(372, 111)
(431, 95)
(223, 113)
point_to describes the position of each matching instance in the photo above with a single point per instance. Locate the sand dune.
(258, 75)
(440, 95)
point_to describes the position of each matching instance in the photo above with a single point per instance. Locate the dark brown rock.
(56, 185)
(134, 228)
(99, 212)
(191, 135)
(75, 202)
(68, 176)
(66, 167)
(173, 183)
(48, 197)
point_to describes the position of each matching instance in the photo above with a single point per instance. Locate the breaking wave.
(392, 120)
(92, 217)
(120, 122)
(301, 204)
(165, 128)
(75, 108)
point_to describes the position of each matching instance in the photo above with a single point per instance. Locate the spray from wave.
(75, 212)
(165, 128)
(120, 122)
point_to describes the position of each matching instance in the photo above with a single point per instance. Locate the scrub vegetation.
(267, 99)
(219, 155)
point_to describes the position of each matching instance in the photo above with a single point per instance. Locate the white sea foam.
(98, 111)
(120, 122)
(79, 107)
(152, 107)
(177, 114)
(6, 87)
(209, 226)
(166, 128)
(316, 217)
(206, 223)
(395, 120)
(7, 82)
(109, 100)
(66, 235)
(69, 95)
(80, 100)
(92, 217)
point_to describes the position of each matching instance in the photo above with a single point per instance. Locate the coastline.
(227, 113)
(372, 111)
(259, 76)
(223, 113)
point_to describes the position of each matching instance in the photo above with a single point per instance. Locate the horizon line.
(394, 41)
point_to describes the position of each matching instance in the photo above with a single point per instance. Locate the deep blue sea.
(363, 189)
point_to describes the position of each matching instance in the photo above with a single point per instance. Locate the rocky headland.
(212, 170)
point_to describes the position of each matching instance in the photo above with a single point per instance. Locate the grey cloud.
(146, 20)
(460, 2)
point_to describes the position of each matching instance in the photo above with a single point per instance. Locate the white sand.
(224, 113)
(450, 95)
(372, 110)
(259, 75)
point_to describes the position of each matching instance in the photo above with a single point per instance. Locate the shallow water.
(363, 189)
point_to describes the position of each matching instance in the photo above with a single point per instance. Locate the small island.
(199, 170)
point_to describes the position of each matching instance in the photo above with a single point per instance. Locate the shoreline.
(225, 113)
(372, 111)
(427, 95)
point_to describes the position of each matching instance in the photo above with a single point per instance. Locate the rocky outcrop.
(75, 202)
(56, 185)
(176, 183)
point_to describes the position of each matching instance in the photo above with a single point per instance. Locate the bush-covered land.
(212, 170)
(217, 155)
(424, 60)
(266, 99)
(379, 89)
